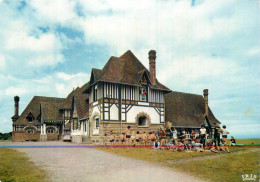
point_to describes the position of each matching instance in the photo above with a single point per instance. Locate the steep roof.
(186, 110)
(80, 101)
(49, 107)
(126, 69)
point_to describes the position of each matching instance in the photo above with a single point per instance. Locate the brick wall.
(52, 136)
(22, 136)
(106, 127)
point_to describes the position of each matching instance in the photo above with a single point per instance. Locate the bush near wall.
(6, 136)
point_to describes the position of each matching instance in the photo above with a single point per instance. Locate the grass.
(206, 165)
(248, 141)
(8, 140)
(15, 166)
(227, 168)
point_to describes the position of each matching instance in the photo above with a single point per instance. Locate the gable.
(144, 79)
(30, 117)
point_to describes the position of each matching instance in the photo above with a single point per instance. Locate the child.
(133, 138)
(224, 133)
(233, 141)
(189, 145)
(223, 145)
(198, 146)
(203, 133)
(117, 139)
(112, 138)
(105, 139)
(145, 138)
(192, 135)
(138, 137)
(169, 145)
(122, 138)
(179, 147)
(128, 133)
(213, 149)
(208, 142)
(174, 135)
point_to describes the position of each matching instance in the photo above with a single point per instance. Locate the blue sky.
(48, 47)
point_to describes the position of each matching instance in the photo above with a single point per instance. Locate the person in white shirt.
(224, 133)
(203, 133)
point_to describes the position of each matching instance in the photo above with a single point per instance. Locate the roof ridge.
(186, 93)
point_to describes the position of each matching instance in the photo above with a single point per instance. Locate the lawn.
(248, 141)
(15, 166)
(206, 165)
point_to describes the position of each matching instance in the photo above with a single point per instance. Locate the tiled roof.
(186, 110)
(49, 107)
(80, 101)
(126, 69)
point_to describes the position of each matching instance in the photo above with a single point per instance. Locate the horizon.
(49, 48)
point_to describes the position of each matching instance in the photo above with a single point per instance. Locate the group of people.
(200, 142)
(196, 142)
(130, 137)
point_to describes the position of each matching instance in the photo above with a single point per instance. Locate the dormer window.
(30, 117)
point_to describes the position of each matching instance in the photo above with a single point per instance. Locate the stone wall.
(106, 127)
(22, 136)
(52, 136)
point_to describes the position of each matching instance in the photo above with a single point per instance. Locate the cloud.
(2, 61)
(67, 82)
(50, 60)
(12, 91)
(48, 47)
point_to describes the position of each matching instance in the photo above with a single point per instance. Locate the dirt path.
(88, 164)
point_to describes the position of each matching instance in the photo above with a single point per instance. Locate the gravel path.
(89, 164)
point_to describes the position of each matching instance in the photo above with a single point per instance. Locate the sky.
(49, 47)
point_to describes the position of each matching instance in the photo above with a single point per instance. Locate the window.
(29, 130)
(142, 121)
(97, 123)
(143, 94)
(30, 117)
(50, 130)
(67, 112)
(95, 93)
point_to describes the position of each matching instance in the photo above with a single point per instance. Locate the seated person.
(156, 144)
(223, 145)
(179, 146)
(208, 142)
(198, 146)
(233, 141)
(169, 145)
(189, 144)
(213, 149)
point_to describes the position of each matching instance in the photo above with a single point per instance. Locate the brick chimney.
(16, 108)
(206, 93)
(152, 66)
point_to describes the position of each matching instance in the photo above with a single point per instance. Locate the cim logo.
(248, 177)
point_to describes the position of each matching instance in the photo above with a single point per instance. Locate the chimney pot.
(16, 105)
(152, 66)
(206, 93)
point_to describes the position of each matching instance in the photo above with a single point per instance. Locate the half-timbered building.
(123, 93)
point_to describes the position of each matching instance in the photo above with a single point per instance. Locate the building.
(123, 93)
